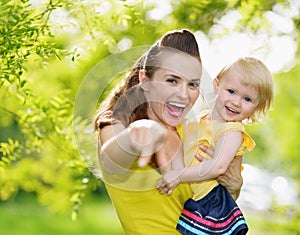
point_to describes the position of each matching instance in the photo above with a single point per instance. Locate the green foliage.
(23, 33)
(38, 122)
(286, 122)
(201, 14)
(9, 151)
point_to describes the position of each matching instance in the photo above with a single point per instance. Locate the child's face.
(235, 101)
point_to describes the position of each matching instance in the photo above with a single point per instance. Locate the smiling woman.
(157, 91)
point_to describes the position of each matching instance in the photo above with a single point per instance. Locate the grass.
(23, 216)
(26, 217)
(261, 223)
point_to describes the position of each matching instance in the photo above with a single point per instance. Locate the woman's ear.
(216, 85)
(142, 76)
(143, 79)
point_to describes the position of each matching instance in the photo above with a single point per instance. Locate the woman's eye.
(194, 84)
(171, 80)
(230, 91)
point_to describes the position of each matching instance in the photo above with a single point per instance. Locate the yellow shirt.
(141, 209)
(209, 132)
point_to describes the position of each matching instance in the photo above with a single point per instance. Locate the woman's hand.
(232, 179)
(147, 137)
(210, 152)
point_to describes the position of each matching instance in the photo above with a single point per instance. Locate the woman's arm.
(226, 148)
(122, 146)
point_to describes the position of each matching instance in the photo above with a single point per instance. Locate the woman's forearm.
(116, 154)
(123, 146)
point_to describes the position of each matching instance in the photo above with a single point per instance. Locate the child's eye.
(247, 99)
(230, 91)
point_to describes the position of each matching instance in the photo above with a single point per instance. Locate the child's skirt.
(216, 213)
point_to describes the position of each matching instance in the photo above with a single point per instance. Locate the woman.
(157, 94)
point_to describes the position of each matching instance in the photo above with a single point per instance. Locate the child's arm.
(226, 148)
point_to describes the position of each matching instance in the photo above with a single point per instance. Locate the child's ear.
(143, 79)
(216, 85)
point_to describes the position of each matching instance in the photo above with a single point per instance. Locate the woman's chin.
(173, 121)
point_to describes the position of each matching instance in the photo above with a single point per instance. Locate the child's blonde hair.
(255, 74)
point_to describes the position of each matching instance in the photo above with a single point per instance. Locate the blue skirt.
(216, 213)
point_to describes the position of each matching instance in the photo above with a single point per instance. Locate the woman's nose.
(183, 91)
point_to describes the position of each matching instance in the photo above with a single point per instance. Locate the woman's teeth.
(178, 105)
(176, 109)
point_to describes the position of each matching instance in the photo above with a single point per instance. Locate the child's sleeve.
(247, 143)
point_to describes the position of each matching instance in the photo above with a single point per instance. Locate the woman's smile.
(176, 109)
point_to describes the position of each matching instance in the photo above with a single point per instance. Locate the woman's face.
(173, 88)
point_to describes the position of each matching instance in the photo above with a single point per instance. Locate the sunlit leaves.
(8, 152)
(201, 14)
(23, 33)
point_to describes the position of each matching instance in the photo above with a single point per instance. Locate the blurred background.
(55, 54)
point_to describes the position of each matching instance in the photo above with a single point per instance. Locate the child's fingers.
(170, 191)
(159, 184)
(163, 190)
(162, 187)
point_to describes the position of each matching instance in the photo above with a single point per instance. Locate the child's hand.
(168, 182)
